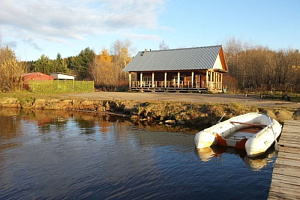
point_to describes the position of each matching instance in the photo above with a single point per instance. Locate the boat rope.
(221, 118)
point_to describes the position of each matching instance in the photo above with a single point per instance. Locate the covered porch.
(189, 81)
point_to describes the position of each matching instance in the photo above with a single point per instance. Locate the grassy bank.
(293, 97)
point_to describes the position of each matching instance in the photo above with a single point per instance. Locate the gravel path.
(187, 97)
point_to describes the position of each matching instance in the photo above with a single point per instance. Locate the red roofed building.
(35, 76)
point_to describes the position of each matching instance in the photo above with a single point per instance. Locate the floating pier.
(286, 173)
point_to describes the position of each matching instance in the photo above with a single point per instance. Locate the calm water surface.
(58, 155)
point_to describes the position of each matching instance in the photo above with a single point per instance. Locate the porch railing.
(172, 84)
(167, 84)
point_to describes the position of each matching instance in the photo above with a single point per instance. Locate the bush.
(10, 71)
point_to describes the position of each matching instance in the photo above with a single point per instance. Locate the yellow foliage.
(10, 75)
(104, 56)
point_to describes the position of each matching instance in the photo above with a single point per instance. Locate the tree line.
(254, 68)
(258, 68)
(105, 68)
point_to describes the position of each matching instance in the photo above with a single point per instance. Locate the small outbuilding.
(187, 69)
(35, 76)
(60, 76)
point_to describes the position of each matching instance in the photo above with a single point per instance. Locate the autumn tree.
(121, 57)
(103, 71)
(10, 70)
(259, 68)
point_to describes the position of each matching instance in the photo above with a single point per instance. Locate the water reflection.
(89, 155)
(10, 128)
(255, 164)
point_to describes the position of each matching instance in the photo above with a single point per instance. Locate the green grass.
(294, 97)
(61, 86)
(26, 95)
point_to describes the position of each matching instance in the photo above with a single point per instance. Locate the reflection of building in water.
(255, 164)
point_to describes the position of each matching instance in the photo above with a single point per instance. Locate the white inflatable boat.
(254, 132)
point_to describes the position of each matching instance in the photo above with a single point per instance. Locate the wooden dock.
(286, 174)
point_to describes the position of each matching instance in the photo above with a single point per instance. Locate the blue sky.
(35, 27)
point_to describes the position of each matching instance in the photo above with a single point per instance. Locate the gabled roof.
(177, 59)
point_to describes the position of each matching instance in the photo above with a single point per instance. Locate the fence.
(58, 86)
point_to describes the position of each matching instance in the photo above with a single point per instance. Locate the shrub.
(61, 86)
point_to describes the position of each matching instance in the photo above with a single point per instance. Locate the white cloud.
(56, 20)
(144, 37)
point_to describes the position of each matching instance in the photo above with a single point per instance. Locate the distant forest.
(257, 68)
(251, 68)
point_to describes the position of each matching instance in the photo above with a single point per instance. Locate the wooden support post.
(207, 78)
(178, 79)
(129, 77)
(221, 81)
(193, 79)
(166, 79)
(153, 85)
(141, 79)
(215, 79)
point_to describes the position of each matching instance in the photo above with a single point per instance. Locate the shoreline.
(168, 111)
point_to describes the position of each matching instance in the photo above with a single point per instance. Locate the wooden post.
(192, 79)
(215, 80)
(221, 81)
(207, 78)
(153, 85)
(178, 80)
(166, 79)
(129, 77)
(141, 79)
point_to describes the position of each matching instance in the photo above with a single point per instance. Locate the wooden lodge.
(196, 69)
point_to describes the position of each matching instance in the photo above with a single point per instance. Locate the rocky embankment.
(162, 112)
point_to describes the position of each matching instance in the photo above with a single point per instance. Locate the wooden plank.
(291, 124)
(276, 194)
(288, 155)
(286, 173)
(291, 127)
(289, 142)
(288, 149)
(296, 145)
(295, 181)
(289, 162)
(290, 135)
(285, 188)
(294, 137)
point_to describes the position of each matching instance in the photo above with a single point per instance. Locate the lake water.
(62, 155)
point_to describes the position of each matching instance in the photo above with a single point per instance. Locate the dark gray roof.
(174, 59)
